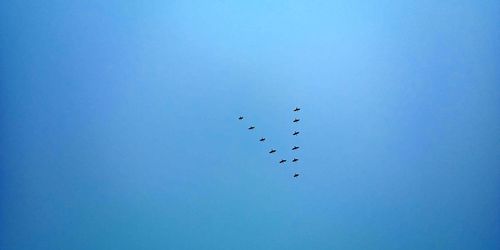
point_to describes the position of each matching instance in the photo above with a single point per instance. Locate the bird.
(240, 118)
(295, 148)
(296, 133)
(282, 161)
(296, 109)
(296, 120)
(295, 160)
(272, 151)
(295, 175)
(262, 139)
(251, 127)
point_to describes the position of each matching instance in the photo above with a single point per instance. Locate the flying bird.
(295, 148)
(240, 118)
(295, 175)
(295, 160)
(282, 161)
(296, 133)
(296, 109)
(296, 120)
(272, 151)
(262, 139)
(251, 127)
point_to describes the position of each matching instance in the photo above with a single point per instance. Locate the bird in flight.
(288, 162)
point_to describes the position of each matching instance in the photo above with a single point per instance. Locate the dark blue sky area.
(119, 124)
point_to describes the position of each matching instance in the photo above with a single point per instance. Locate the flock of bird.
(272, 151)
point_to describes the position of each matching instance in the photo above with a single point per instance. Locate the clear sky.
(119, 124)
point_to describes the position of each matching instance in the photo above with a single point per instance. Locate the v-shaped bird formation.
(294, 148)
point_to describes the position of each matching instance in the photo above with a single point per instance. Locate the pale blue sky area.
(119, 124)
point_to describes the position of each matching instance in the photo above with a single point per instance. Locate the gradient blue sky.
(119, 130)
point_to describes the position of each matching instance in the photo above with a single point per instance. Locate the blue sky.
(119, 124)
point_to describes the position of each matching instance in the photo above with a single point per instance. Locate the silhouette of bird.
(272, 151)
(240, 118)
(295, 160)
(295, 148)
(295, 175)
(296, 109)
(251, 127)
(262, 139)
(282, 161)
(296, 133)
(296, 120)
